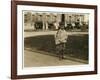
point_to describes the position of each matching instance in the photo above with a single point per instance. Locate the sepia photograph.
(55, 38)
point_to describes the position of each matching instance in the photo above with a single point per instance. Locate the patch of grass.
(76, 46)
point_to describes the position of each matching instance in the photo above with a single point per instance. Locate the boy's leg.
(58, 50)
(63, 50)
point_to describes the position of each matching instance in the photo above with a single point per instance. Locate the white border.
(53, 69)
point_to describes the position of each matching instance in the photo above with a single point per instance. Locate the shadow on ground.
(77, 45)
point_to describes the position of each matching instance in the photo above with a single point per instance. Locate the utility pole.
(63, 18)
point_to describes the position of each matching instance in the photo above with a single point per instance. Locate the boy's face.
(62, 26)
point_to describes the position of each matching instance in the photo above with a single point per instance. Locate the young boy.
(60, 41)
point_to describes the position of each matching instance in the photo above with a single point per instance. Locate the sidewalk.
(36, 59)
(36, 33)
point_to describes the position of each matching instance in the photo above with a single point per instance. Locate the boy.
(60, 41)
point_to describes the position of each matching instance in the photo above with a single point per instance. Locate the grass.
(77, 45)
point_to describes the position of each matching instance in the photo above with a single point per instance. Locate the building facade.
(51, 21)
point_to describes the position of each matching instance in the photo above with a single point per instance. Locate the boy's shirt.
(61, 36)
